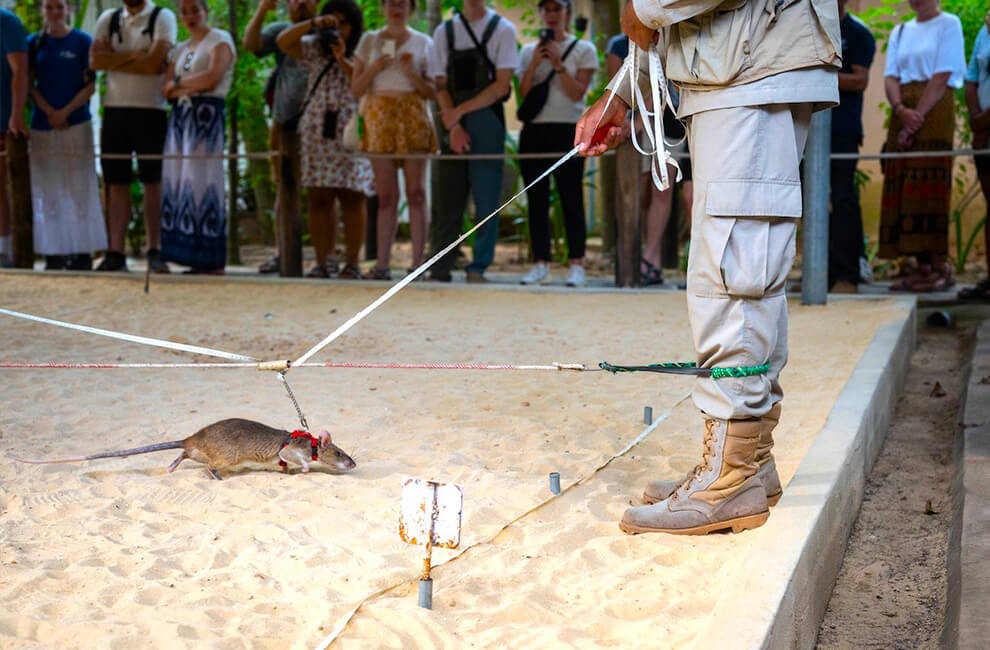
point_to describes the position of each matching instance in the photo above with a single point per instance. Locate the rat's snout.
(339, 459)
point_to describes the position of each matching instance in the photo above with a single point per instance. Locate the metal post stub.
(555, 482)
(647, 415)
(426, 593)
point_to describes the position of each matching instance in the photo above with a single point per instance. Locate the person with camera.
(554, 74)
(471, 63)
(390, 73)
(750, 74)
(286, 90)
(199, 75)
(325, 45)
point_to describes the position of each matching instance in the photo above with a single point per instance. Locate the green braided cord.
(714, 373)
(740, 371)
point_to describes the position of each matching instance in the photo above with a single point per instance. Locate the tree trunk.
(233, 231)
(605, 25)
(287, 220)
(434, 14)
(21, 213)
(627, 238)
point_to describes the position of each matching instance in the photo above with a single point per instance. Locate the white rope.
(659, 154)
(338, 629)
(401, 284)
(130, 337)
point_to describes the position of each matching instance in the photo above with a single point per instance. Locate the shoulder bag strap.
(474, 39)
(312, 90)
(562, 59)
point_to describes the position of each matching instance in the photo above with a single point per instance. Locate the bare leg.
(656, 220)
(354, 206)
(320, 220)
(387, 187)
(120, 215)
(415, 176)
(153, 214)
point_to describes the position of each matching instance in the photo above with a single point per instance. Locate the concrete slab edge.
(966, 624)
(781, 589)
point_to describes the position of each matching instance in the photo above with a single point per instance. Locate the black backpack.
(149, 28)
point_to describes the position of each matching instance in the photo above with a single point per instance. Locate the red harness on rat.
(313, 443)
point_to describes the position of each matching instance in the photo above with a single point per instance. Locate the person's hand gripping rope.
(604, 125)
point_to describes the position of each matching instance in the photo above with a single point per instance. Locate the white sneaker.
(539, 274)
(575, 278)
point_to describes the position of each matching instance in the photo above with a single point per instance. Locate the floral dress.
(325, 162)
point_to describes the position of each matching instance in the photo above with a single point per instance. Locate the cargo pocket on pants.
(758, 250)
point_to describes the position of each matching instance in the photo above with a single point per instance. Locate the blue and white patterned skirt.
(194, 221)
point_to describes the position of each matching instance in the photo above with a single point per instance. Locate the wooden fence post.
(627, 223)
(22, 215)
(287, 221)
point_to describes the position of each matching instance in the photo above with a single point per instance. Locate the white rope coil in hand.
(659, 154)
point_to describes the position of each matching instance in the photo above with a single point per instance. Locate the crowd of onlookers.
(338, 88)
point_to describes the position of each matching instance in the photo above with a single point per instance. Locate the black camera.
(329, 37)
(546, 35)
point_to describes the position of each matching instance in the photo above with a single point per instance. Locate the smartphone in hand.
(388, 47)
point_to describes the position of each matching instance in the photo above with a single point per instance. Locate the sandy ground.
(891, 590)
(120, 554)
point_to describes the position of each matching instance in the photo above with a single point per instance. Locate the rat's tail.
(161, 446)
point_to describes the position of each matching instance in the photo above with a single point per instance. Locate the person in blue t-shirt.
(846, 224)
(68, 220)
(13, 96)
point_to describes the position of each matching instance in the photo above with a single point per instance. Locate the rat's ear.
(325, 440)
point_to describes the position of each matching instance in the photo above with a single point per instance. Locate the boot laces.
(706, 456)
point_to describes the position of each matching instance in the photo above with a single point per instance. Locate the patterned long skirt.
(194, 222)
(914, 216)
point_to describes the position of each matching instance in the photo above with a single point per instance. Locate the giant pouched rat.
(235, 441)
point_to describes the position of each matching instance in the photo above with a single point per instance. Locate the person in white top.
(471, 63)
(130, 44)
(565, 64)
(194, 227)
(925, 58)
(390, 73)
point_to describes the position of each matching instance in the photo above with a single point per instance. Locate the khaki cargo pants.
(747, 200)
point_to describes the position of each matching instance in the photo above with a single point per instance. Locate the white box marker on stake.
(430, 514)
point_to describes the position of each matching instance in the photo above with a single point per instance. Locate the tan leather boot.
(660, 490)
(724, 493)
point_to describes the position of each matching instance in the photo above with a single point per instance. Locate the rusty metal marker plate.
(420, 499)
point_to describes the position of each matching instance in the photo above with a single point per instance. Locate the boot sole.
(737, 525)
(771, 500)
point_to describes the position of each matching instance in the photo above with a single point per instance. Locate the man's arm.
(252, 35)
(856, 80)
(151, 62)
(102, 56)
(657, 14)
(18, 62)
